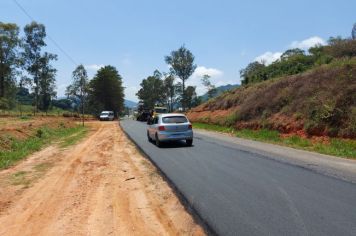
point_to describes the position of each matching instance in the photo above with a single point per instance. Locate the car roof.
(171, 114)
(106, 111)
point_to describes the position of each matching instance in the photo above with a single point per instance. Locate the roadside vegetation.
(17, 143)
(28, 79)
(333, 146)
(304, 93)
(304, 99)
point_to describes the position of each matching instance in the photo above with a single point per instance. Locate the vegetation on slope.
(321, 101)
(334, 146)
(21, 137)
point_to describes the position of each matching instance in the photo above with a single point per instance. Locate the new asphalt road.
(238, 191)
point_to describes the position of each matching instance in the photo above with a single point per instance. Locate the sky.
(135, 36)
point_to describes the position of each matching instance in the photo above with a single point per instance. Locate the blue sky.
(134, 36)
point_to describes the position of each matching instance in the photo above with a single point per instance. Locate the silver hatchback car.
(170, 127)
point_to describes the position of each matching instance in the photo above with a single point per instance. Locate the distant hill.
(130, 104)
(220, 90)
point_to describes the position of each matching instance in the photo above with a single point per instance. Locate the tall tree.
(353, 33)
(47, 80)
(191, 97)
(79, 87)
(152, 91)
(106, 91)
(170, 90)
(9, 56)
(209, 86)
(182, 65)
(35, 34)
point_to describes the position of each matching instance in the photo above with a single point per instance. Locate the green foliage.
(337, 147)
(43, 136)
(106, 91)
(38, 65)
(170, 90)
(79, 87)
(153, 90)
(209, 86)
(294, 61)
(191, 98)
(9, 63)
(182, 65)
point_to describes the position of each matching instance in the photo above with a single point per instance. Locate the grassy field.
(335, 146)
(20, 148)
(27, 110)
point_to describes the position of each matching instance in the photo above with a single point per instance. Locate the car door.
(154, 127)
(150, 128)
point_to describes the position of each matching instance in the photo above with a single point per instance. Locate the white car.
(107, 115)
(170, 127)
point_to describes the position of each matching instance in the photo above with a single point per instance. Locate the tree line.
(24, 63)
(294, 61)
(103, 92)
(27, 76)
(162, 88)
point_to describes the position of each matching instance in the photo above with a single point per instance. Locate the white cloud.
(268, 57)
(215, 74)
(94, 67)
(308, 43)
(200, 71)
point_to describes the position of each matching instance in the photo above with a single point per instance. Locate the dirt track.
(101, 186)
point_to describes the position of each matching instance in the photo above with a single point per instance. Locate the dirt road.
(101, 186)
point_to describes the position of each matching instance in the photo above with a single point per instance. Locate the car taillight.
(161, 128)
(190, 127)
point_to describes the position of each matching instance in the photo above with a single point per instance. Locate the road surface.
(243, 192)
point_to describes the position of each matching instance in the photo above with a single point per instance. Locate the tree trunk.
(82, 99)
(2, 85)
(183, 94)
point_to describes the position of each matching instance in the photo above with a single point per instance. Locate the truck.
(143, 113)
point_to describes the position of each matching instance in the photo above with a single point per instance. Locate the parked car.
(106, 115)
(170, 127)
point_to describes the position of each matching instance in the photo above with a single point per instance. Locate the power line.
(49, 37)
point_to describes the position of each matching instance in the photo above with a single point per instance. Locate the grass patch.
(74, 138)
(43, 136)
(218, 128)
(20, 178)
(336, 147)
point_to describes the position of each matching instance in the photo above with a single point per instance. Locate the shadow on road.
(173, 144)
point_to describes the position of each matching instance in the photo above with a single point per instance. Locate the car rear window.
(160, 110)
(174, 119)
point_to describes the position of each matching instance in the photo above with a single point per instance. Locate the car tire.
(189, 142)
(149, 137)
(158, 143)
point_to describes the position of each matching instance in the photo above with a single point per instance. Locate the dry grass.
(321, 102)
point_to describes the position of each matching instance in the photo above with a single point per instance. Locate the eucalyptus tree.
(209, 86)
(182, 65)
(9, 57)
(33, 43)
(170, 89)
(46, 83)
(79, 87)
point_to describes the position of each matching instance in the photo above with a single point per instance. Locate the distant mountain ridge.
(130, 104)
(220, 90)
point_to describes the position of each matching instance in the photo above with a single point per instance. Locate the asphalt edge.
(183, 200)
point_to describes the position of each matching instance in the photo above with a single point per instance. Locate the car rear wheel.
(189, 142)
(149, 137)
(158, 143)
